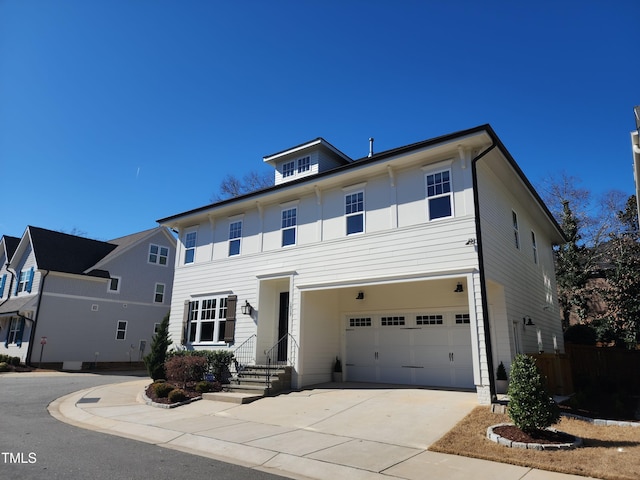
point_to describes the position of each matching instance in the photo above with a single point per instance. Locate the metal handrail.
(292, 346)
(244, 354)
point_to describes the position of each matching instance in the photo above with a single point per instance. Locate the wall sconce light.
(246, 309)
(471, 241)
(360, 296)
(527, 321)
(459, 288)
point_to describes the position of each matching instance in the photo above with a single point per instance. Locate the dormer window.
(288, 169)
(304, 164)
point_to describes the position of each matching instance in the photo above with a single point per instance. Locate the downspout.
(483, 284)
(35, 320)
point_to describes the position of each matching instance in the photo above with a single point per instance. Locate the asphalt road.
(34, 445)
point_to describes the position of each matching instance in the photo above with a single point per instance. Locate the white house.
(423, 265)
(71, 301)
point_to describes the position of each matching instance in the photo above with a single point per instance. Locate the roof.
(11, 243)
(377, 158)
(14, 305)
(61, 252)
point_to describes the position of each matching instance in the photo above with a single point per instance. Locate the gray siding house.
(72, 301)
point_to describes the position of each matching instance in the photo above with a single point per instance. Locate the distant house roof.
(61, 252)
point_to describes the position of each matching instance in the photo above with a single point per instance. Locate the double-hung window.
(159, 293)
(304, 164)
(289, 226)
(207, 320)
(121, 330)
(14, 335)
(158, 255)
(235, 237)
(439, 195)
(516, 231)
(25, 281)
(288, 169)
(354, 212)
(534, 247)
(190, 247)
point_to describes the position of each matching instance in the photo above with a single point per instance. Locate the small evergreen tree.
(154, 361)
(530, 407)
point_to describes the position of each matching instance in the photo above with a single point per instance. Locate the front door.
(283, 326)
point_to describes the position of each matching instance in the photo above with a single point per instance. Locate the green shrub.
(154, 361)
(4, 358)
(15, 361)
(530, 406)
(204, 387)
(4, 367)
(581, 334)
(177, 395)
(501, 372)
(219, 363)
(185, 369)
(162, 389)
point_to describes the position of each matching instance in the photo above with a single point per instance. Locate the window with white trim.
(534, 247)
(14, 330)
(516, 232)
(190, 247)
(207, 319)
(354, 212)
(429, 319)
(158, 255)
(235, 237)
(439, 195)
(121, 330)
(24, 280)
(158, 296)
(289, 226)
(114, 285)
(304, 164)
(288, 169)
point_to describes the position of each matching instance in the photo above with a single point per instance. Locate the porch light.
(459, 288)
(360, 296)
(527, 322)
(246, 309)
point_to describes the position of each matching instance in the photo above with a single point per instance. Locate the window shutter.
(30, 281)
(230, 323)
(20, 333)
(185, 323)
(2, 283)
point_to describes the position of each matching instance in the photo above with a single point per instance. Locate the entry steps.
(253, 382)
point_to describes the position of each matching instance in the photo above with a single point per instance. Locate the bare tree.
(232, 186)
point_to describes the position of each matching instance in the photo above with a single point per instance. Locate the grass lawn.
(611, 453)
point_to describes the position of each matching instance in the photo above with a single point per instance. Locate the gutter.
(35, 320)
(13, 277)
(483, 285)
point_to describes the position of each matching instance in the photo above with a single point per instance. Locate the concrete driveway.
(354, 431)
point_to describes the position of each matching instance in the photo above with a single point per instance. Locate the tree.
(154, 361)
(531, 408)
(621, 321)
(232, 186)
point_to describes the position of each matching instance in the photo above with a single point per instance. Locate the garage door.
(430, 349)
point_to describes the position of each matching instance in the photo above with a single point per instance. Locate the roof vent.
(370, 146)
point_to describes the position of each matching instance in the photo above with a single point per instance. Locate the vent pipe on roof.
(370, 146)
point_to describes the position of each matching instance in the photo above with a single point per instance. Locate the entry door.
(283, 326)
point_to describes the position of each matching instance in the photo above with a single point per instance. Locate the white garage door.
(431, 349)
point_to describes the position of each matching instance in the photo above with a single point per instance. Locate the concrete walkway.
(329, 432)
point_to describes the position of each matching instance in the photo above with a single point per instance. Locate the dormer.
(305, 160)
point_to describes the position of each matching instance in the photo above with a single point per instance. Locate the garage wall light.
(360, 296)
(527, 322)
(459, 288)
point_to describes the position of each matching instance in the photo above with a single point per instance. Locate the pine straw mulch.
(609, 452)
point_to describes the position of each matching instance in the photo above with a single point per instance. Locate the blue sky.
(114, 114)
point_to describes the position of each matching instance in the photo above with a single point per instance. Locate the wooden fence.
(613, 369)
(556, 371)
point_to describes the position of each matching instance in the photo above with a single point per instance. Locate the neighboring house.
(423, 265)
(78, 300)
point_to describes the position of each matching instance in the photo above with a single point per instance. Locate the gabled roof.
(61, 252)
(10, 245)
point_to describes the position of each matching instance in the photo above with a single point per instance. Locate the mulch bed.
(545, 437)
(189, 392)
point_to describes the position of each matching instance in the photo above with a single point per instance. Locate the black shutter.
(230, 322)
(185, 323)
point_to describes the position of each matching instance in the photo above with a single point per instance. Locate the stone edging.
(494, 437)
(150, 402)
(601, 421)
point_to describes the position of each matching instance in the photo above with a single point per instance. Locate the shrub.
(4, 358)
(4, 367)
(204, 387)
(162, 389)
(501, 372)
(581, 334)
(177, 395)
(184, 369)
(219, 363)
(530, 406)
(154, 362)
